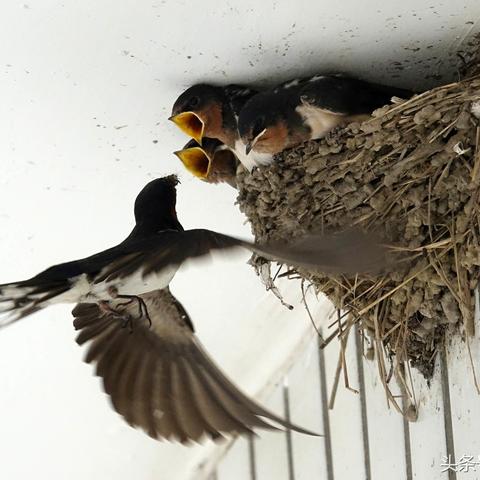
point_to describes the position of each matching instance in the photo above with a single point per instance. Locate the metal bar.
(447, 413)
(325, 412)
(251, 458)
(363, 404)
(288, 433)
(406, 441)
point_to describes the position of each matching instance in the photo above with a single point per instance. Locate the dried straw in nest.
(411, 172)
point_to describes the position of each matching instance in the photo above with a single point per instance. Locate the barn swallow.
(212, 111)
(127, 286)
(212, 161)
(307, 109)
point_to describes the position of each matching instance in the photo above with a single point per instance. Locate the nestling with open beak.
(212, 111)
(307, 109)
(212, 161)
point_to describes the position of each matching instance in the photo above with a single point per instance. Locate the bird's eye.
(194, 101)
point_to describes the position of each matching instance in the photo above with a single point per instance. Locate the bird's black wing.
(165, 249)
(160, 378)
(238, 95)
(22, 298)
(348, 252)
(347, 96)
(89, 265)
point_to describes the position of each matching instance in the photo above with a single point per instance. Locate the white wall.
(85, 91)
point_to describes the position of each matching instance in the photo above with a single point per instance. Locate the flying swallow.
(212, 161)
(307, 109)
(127, 286)
(212, 111)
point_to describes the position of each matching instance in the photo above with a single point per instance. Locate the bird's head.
(211, 161)
(196, 158)
(198, 111)
(262, 125)
(155, 205)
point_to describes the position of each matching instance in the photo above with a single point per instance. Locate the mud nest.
(412, 172)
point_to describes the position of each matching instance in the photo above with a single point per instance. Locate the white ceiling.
(86, 88)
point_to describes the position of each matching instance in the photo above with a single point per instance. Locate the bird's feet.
(142, 309)
(119, 311)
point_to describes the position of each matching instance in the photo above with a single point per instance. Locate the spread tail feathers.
(18, 300)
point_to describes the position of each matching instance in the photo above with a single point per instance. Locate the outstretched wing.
(346, 253)
(160, 378)
(350, 252)
(347, 96)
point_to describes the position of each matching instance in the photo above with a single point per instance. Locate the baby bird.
(211, 111)
(212, 161)
(307, 109)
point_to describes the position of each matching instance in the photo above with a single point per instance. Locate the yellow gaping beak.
(191, 124)
(196, 161)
